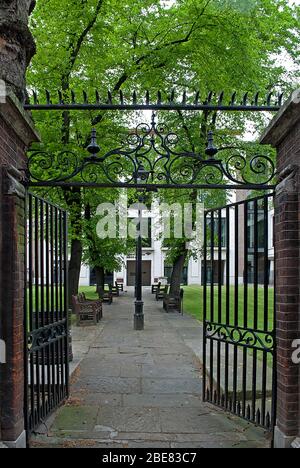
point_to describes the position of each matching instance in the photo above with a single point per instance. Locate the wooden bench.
(120, 286)
(106, 295)
(154, 287)
(98, 302)
(161, 292)
(173, 302)
(87, 313)
(115, 290)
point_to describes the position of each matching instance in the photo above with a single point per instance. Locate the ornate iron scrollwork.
(155, 148)
(44, 336)
(255, 339)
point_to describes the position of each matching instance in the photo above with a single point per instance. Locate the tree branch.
(187, 131)
(65, 79)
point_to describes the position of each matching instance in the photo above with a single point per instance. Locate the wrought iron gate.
(239, 300)
(47, 353)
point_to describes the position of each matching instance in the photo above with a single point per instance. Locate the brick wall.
(16, 133)
(12, 316)
(284, 134)
(288, 287)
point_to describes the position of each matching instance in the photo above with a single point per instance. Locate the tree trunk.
(176, 277)
(17, 46)
(73, 201)
(100, 278)
(74, 268)
(179, 264)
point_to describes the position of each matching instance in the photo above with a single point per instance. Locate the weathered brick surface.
(288, 288)
(12, 154)
(284, 134)
(16, 133)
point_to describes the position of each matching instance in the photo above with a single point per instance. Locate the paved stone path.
(142, 389)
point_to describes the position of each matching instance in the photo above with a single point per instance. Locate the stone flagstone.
(142, 389)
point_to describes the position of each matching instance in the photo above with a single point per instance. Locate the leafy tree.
(185, 44)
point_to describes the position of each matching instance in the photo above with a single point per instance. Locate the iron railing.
(116, 100)
(151, 158)
(46, 329)
(239, 317)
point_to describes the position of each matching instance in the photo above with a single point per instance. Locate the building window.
(168, 274)
(216, 232)
(108, 278)
(260, 230)
(213, 273)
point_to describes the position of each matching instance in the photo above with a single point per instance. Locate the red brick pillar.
(284, 134)
(16, 134)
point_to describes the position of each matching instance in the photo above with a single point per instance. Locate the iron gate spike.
(256, 97)
(134, 98)
(280, 99)
(197, 98)
(269, 97)
(85, 97)
(221, 97)
(245, 99)
(60, 97)
(209, 97)
(48, 96)
(233, 99)
(35, 98)
(147, 98)
(244, 105)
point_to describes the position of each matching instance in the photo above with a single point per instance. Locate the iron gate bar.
(26, 322)
(155, 107)
(266, 308)
(212, 102)
(212, 297)
(219, 302)
(205, 233)
(245, 354)
(255, 321)
(236, 302)
(227, 306)
(247, 344)
(153, 187)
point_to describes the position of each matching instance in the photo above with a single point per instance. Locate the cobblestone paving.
(142, 390)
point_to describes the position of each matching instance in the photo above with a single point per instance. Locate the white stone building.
(156, 267)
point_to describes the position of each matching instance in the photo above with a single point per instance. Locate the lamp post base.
(139, 315)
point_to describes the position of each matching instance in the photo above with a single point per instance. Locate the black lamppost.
(141, 177)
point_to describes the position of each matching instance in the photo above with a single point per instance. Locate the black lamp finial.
(93, 147)
(211, 150)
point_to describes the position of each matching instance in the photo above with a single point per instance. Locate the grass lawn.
(193, 304)
(90, 292)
